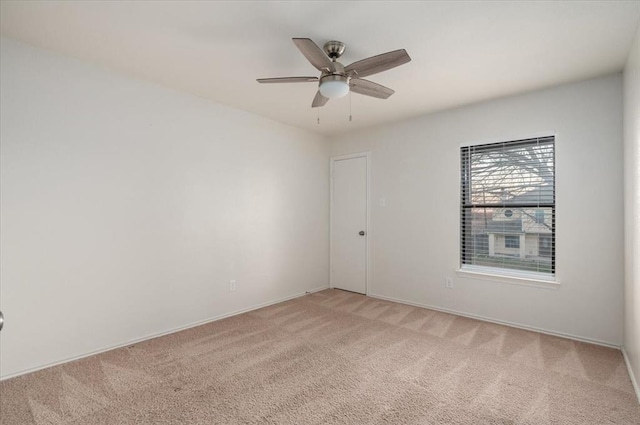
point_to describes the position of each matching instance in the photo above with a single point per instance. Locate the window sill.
(498, 275)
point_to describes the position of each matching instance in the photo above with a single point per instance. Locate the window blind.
(508, 206)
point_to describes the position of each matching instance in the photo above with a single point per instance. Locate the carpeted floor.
(334, 357)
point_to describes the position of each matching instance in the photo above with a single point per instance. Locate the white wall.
(632, 209)
(127, 208)
(415, 238)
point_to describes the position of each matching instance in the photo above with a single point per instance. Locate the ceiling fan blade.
(313, 53)
(319, 100)
(288, 80)
(378, 63)
(369, 88)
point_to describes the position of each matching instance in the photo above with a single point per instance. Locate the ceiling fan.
(336, 80)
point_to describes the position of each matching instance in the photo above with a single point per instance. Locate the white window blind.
(508, 207)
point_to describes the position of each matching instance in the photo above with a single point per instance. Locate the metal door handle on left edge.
(1, 320)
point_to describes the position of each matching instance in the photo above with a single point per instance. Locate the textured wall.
(415, 237)
(632, 208)
(127, 208)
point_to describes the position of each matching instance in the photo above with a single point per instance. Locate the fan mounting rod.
(334, 49)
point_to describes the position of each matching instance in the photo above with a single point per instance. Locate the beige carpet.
(334, 358)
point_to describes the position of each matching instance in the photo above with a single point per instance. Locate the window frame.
(512, 241)
(503, 274)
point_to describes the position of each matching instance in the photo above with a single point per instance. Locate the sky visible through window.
(516, 175)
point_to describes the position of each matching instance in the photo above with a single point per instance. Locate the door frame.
(332, 161)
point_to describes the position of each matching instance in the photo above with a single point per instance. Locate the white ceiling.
(463, 52)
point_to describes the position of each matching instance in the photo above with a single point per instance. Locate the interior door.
(349, 224)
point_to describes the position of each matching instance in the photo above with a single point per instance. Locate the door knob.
(361, 232)
(1, 320)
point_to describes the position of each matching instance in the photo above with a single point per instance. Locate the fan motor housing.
(334, 77)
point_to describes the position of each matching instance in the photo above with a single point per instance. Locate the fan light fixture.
(334, 86)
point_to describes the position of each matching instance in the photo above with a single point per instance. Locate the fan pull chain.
(350, 117)
(318, 115)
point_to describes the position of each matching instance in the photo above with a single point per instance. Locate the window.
(511, 241)
(508, 207)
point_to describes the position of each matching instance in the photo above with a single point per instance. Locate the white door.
(349, 223)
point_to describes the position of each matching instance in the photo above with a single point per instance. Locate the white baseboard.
(500, 322)
(159, 334)
(311, 291)
(631, 375)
